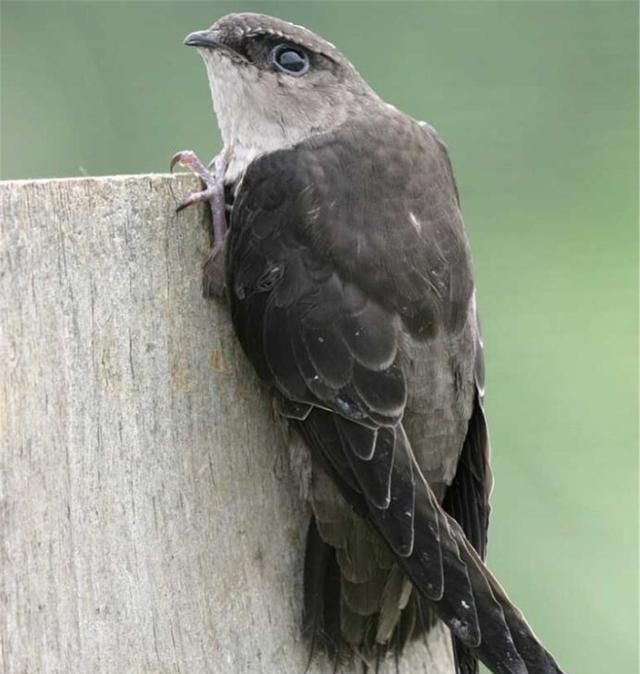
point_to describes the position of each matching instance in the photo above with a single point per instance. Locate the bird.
(347, 270)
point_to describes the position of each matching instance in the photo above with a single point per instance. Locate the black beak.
(203, 38)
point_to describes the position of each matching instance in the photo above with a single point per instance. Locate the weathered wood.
(149, 520)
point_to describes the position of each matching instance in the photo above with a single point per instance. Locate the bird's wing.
(333, 260)
(467, 497)
(467, 501)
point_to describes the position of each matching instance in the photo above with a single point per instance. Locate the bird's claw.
(195, 198)
(189, 160)
(213, 192)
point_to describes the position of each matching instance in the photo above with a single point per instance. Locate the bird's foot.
(213, 192)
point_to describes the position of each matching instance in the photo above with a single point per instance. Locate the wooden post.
(148, 518)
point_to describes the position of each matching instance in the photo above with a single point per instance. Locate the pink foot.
(213, 192)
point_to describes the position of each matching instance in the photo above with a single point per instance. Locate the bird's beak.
(204, 38)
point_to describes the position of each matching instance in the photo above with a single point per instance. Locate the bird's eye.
(291, 60)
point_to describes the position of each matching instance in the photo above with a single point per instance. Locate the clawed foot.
(213, 192)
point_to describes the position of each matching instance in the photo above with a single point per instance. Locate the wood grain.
(149, 520)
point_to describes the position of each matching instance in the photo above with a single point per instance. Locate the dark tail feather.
(321, 617)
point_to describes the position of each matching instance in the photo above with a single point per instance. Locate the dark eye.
(291, 60)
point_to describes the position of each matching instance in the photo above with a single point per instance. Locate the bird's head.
(274, 83)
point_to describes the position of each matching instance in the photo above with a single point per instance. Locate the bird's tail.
(427, 544)
(344, 618)
(321, 617)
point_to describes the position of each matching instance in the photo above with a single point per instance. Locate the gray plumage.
(350, 286)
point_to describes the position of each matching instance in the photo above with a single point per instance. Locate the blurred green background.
(538, 103)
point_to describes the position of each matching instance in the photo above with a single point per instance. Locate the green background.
(538, 102)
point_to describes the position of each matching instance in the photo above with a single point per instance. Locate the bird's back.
(315, 210)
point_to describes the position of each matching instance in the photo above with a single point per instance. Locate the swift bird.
(350, 286)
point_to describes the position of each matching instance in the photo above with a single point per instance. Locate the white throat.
(256, 116)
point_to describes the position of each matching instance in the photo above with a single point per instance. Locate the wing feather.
(326, 287)
(374, 469)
